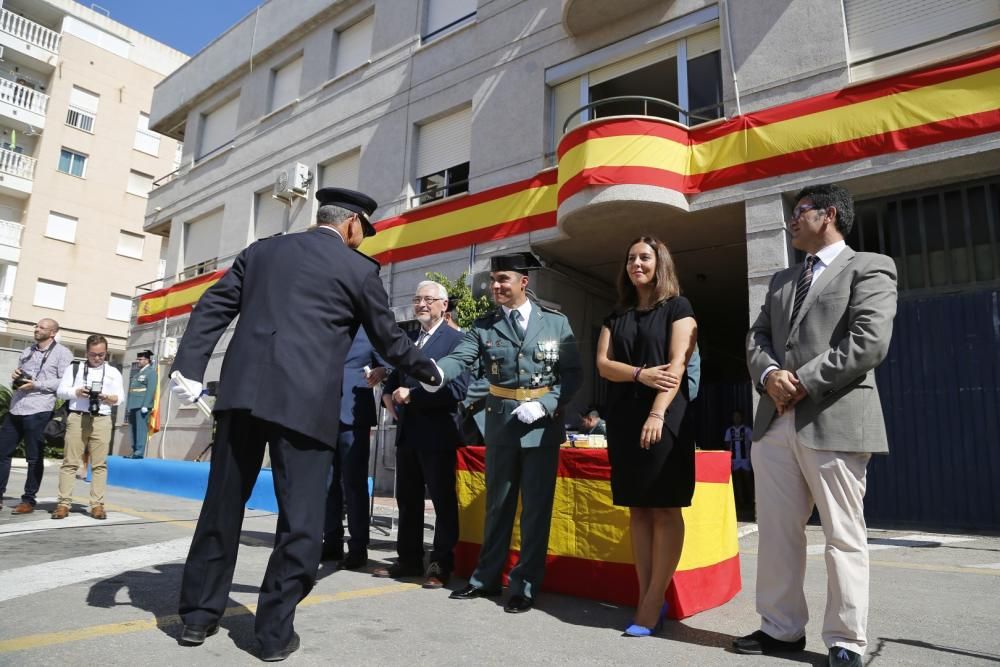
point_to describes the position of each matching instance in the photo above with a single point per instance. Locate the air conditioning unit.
(293, 181)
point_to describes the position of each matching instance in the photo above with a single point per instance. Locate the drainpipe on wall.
(732, 61)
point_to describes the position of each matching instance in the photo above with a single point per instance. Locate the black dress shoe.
(518, 604)
(470, 592)
(195, 635)
(332, 550)
(354, 560)
(282, 653)
(398, 571)
(761, 643)
(843, 657)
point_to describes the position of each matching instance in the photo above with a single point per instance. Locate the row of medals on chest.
(547, 352)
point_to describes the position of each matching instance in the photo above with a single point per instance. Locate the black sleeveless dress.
(663, 475)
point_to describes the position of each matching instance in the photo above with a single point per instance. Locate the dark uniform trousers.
(291, 571)
(349, 486)
(435, 467)
(508, 470)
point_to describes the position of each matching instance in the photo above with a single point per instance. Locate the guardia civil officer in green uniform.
(141, 392)
(530, 359)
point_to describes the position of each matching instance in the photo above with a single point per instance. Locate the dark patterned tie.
(422, 340)
(802, 288)
(515, 321)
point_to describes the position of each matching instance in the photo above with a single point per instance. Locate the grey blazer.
(841, 335)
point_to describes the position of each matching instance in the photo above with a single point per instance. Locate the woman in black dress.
(643, 352)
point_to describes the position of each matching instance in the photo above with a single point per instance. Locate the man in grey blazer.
(823, 328)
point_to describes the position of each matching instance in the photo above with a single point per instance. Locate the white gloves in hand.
(144, 410)
(434, 387)
(185, 389)
(529, 412)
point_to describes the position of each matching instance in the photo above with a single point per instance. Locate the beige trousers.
(790, 478)
(85, 432)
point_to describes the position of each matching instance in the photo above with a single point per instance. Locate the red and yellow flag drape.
(589, 551)
(153, 424)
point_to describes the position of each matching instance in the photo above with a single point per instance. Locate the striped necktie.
(515, 322)
(422, 339)
(802, 288)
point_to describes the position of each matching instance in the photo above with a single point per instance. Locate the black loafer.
(843, 657)
(354, 560)
(518, 604)
(471, 592)
(761, 643)
(195, 635)
(282, 653)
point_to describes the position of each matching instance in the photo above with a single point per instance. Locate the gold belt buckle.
(522, 394)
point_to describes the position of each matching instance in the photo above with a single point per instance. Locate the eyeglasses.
(802, 208)
(417, 300)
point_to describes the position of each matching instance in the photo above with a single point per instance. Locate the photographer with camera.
(34, 381)
(96, 387)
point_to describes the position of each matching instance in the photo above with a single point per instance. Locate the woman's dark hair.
(665, 281)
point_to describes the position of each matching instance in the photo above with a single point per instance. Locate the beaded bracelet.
(658, 416)
(635, 373)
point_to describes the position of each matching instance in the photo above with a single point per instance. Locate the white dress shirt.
(524, 309)
(427, 333)
(108, 375)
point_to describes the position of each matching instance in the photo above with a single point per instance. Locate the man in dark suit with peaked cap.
(300, 300)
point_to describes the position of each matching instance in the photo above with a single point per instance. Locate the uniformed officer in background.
(300, 300)
(141, 392)
(530, 359)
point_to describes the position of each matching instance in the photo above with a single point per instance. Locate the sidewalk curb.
(23, 463)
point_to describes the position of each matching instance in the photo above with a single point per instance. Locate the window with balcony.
(139, 184)
(61, 227)
(679, 80)
(120, 308)
(443, 157)
(218, 127)
(146, 140)
(285, 83)
(443, 16)
(82, 109)
(72, 163)
(201, 243)
(353, 46)
(130, 245)
(50, 294)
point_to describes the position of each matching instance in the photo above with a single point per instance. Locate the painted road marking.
(985, 566)
(906, 541)
(21, 581)
(72, 521)
(92, 632)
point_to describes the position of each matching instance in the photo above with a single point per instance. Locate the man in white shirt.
(738, 439)
(91, 392)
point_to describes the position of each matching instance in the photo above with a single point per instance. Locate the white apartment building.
(77, 161)
(569, 127)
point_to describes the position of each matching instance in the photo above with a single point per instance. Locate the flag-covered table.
(590, 554)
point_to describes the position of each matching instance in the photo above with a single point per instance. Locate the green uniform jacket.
(142, 388)
(548, 357)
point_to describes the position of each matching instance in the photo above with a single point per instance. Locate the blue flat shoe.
(635, 630)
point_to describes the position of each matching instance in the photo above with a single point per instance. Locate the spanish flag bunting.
(177, 299)
(153, 425)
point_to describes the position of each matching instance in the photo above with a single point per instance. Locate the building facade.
(77, 162)
(569, 127)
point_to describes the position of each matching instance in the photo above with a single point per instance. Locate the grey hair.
(332, 215)
(441, 291)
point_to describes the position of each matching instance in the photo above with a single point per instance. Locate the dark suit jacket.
(357, 402)
(430, 419)
(301, 298)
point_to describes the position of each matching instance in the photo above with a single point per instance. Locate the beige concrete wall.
(90, 266)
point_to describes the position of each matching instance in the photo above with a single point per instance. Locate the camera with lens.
(22, 379)
(95, 397)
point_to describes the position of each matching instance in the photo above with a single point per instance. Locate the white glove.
(184, 388)
(529, 412)
(144, 410)
(434, 387)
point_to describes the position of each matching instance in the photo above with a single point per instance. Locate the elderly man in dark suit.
(363, 370)
(823, 329)
(300, 299)
(427, 434)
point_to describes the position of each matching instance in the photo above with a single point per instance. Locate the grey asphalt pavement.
(105, 593)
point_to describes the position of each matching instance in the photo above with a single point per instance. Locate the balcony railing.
(29, 31)
(24, 97)
(10, 233)
(17, 164)
(641, 105)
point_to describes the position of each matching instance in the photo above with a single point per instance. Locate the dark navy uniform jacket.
(301, 298)
(357, 402)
